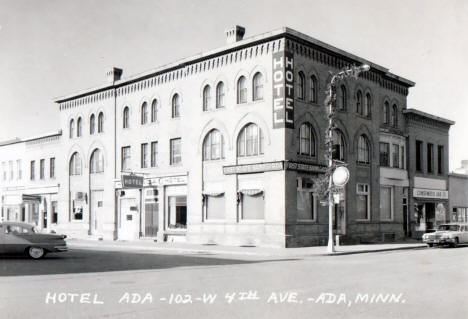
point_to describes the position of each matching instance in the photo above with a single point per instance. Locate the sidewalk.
(186, 248)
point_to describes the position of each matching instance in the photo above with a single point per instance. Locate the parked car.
(22, 238)
(451, 234)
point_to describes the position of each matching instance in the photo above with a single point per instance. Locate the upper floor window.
(419, 151)
(396, 156)
(126, 117)
(300, 86)
(220, 95)
(313, 89)
(384, 151)
(96, 163)
(154, 154)
(175, 145)
(100, 122)
(144, 155)
(92, 124)
(144, 113)
(213, 146)
(125, 158)
(386, 113)
(393, 118)
(175, 106)
(72, 127)
(206, 98)
(359, 108)
(75, 164)
(440, 159)
(367, 105)
(52, 167)
(339, 146)
(430, 157)
(363, 150)
(42, 169)
(241, 90)
(257, 86)
(19, 173)
(306, 140)
(32, 171)
(250, 141)
(78, 127)
(154, 110)
(342, 101)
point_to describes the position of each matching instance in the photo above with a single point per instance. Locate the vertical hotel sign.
(283, 90)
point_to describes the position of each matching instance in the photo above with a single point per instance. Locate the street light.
(352, 71)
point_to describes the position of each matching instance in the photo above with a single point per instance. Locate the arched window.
(241, 90)
(306, 140)
(79, 127)
(72, 127)
(339, 147)
(126, 117)
(313, 89)
(220, 95)
(96, 163)
(100, 121)
(394, 118)
(75, 164)
(144, 113)
(363, 150)
(343, 101)
(206, 98)
(250, 141)
(386, 113)
(92, 124)
(154, 110)
(359, 102)
(257, 86)
(213, 146)
(367, 105)
(300, 86)
(175, 106)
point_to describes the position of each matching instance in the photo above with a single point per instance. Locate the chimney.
(234, 34)
(114, 74)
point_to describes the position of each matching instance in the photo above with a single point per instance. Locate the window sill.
(369, 117)
(362, 220)
(252, 221)
(306, 221)
(387, 221)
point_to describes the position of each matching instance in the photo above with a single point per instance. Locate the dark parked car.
(22, 238)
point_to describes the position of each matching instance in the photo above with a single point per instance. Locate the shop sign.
(429, 193)
(253, 168)
(169, 180)
(283, 90)
(132, 181)
(305, 167)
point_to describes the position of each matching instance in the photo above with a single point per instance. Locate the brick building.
(225, 148)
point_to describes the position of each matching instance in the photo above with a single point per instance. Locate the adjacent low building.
(226, 147)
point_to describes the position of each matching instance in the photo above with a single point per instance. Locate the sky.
(51, 48)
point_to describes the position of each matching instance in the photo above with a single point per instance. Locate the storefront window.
(386, 203)
(306, 201)
(177, 212)
(253, 204)
(215, 206)
(362, 201)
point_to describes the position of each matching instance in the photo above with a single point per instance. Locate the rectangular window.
(32, 170)
(4, 172)
(395, 156)
(126, 157)
(419, 145)
(215, 206)
(384, 154)
(41, 168)
(402, 153)
(306, 201)
(253, 205)
(440, 159)
(177, 211)
(19, 174)
(10, 169)
(362, 201)
(386, 203)
(52, 167)
(54, 213)
(430, 158)
(175, 149)
(154, 154)
(144, 155)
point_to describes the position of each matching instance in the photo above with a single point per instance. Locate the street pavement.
(118, 283)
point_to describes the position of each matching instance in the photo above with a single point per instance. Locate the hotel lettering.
(283, 90)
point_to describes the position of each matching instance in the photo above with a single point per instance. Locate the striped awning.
(251, 192)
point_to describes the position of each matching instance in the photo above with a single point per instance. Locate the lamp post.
(352, 71)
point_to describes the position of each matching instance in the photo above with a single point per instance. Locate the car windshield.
(449, 227)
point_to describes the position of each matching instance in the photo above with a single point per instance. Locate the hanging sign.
(283, 90)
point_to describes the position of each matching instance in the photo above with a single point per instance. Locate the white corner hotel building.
(210, 147)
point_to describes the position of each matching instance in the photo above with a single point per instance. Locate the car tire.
(36, 252)
(455, 243)
(430, 245)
